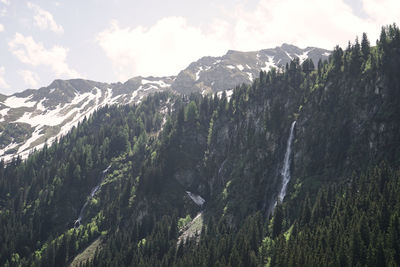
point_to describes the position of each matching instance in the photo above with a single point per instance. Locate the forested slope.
(342, 204)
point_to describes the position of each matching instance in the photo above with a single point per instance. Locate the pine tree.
(365, 47)
(277, 221)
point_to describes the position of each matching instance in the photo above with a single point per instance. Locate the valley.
(230, 163)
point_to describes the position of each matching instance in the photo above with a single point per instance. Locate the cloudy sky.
(114, 40)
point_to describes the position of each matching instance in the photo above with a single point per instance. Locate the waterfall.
(285, 172)
(221, 167)
(92, 193)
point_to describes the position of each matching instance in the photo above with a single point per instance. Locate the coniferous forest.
(342, 206)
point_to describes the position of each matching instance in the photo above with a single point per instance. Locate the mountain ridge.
(45, 114)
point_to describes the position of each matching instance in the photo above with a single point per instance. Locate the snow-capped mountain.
(30, 118)
(33, 117)
(212, 74)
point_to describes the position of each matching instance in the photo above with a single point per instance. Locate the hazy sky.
(114, 40)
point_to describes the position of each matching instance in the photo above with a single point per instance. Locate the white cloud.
(30, 78)
(3, 12)
(163, 49)
(172, 43)
(3, 83)
(301, 22)
(1, 28)
(382, 11)
(6, 2)
(44, 19)
(309, 22)
(33, 53)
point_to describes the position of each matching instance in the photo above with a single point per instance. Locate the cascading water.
(92, 193)
(285, 172)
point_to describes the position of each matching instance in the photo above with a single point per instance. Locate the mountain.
(33, 117)
(299, 168)
(213, 74)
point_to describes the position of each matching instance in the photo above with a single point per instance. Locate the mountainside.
(33, 117)
(299, 168)
(30, 118)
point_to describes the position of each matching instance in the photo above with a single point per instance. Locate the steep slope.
(346, 160)
(239, 171)
(59, 178)
(146, 189)
(365, 213)
(171, 152)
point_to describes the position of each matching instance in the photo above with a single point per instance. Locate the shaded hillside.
(170, 153)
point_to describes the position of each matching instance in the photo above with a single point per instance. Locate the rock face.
(33, 117)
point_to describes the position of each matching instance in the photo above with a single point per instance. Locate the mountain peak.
(213, 74)
(230, 52)
(289, 46)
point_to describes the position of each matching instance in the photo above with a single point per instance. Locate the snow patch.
(4, 111)
(240, 67)
(65, 116)
(251, 78)
(303, 56)
(228, 93)
(40, 105)
(81, 114)
(35, 135)
(198, 73)
(10, 146)
(201, 68)
(327, 54)
(134, 94)
(291, 58)
(17, 102)
(59, 114)
(269, 64)
(231, 67)
(55, 117)
(196, 198)
(160, 83)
